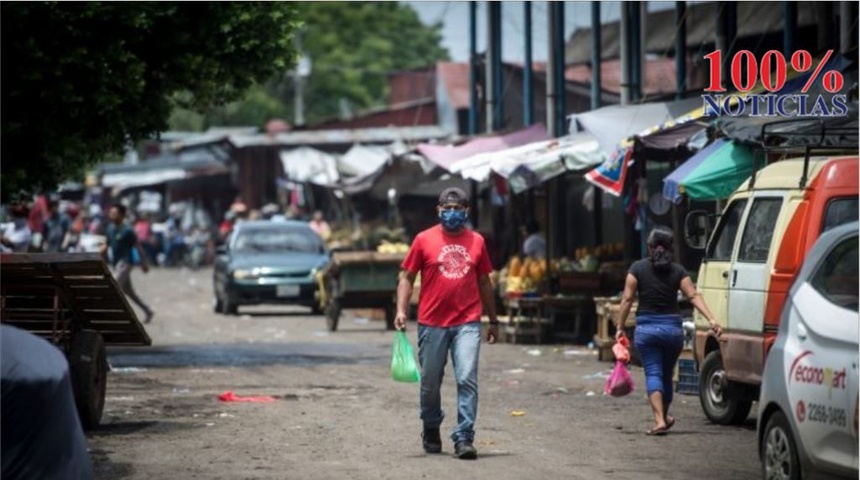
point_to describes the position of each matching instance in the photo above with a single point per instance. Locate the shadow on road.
(121, 428)
(276, 313)
(244, 355)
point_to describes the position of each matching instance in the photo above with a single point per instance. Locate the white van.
(808, 412)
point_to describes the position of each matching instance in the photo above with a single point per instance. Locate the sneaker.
(465, 451)
(149, 316)
(432, 440)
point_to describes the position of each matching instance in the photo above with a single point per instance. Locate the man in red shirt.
(455, 282)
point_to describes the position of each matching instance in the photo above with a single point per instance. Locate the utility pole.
(473, 68)
(302, 70)
(595, 55)
(528, 89)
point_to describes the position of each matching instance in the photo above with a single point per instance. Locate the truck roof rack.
(822, 136)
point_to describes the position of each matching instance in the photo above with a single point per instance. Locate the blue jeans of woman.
(464, 343)
(659, 340)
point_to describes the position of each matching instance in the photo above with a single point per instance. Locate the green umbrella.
(720, 174)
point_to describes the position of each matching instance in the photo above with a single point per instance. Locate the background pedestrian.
(659, 336)
(121, 240)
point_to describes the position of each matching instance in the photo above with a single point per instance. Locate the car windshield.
(287, 239)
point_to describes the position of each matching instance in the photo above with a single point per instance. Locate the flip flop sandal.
(657, 431)
(670, 422)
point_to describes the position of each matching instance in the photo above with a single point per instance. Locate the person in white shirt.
(534, 245)
(16, 234)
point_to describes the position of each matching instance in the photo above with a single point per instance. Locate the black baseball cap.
(454, 195)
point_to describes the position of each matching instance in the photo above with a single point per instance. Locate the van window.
(836, 278)
(721, 245)
(839, 211)
(755, 244)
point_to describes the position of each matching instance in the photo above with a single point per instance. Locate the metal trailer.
(364, 279)
(73, 301)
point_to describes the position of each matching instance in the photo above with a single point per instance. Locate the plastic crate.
(687, 366)
(688, 377)
(688, 389)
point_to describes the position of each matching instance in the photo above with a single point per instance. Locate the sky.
(455, 18)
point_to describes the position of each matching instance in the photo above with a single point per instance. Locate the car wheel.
(228, 307)
(713, 390)
(88, 371)
(779, 451)
(217, 304)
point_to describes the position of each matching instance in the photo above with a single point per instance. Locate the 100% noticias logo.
(773, 70)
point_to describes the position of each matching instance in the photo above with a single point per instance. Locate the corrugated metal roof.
(345, 137)
(185, 160)
(753, 18)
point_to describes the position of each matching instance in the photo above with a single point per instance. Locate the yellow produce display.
(387, 247)
(514, 267)
(524, 275)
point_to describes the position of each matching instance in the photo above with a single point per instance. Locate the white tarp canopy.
(362, 160)
(306, 164)
(529, 165)
(613, 124)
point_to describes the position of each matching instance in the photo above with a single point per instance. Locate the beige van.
(750, 262)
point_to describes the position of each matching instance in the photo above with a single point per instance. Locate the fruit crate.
(688, 377)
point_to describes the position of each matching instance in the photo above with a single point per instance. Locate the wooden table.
(578, 305)
(608, 309)
(526, 319)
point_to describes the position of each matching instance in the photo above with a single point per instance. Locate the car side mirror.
(221, 249)
(697, 229)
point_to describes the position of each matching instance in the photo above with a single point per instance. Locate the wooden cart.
(73, 301)
(361, 280)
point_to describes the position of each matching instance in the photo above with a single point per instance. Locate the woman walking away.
(659, 336)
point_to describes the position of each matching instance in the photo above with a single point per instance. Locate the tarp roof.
(672, 143)
(534, 163)
(306, 164)
(363, 159)
(614, 124)
(446, 155)
(823, 131)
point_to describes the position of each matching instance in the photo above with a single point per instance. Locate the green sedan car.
(268, 263)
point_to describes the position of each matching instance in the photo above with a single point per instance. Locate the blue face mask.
(453, 219)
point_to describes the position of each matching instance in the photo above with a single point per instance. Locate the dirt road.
(339, 415)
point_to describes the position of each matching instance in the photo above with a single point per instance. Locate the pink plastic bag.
(621, 349)
(620, 382)
(229, 396)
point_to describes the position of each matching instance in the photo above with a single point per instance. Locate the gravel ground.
(337, 413)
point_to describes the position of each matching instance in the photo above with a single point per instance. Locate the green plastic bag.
(404, 368)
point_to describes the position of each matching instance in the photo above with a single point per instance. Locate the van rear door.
(748, 283)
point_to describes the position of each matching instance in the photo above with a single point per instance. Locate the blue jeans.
(464, 342)
(659, 344)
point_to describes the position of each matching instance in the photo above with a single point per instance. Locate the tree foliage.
(353, 47)
(81, 80)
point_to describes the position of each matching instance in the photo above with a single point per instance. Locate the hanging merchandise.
(611, 174)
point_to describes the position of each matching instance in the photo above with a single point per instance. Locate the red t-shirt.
(450, 266)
